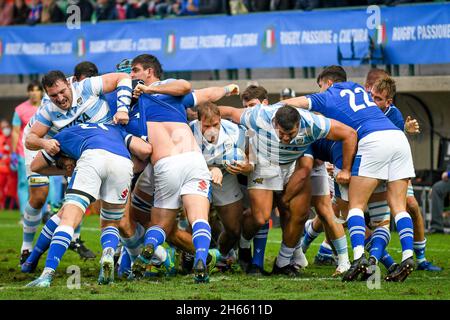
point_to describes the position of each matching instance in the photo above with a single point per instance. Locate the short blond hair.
(208, 110)
(386, 84)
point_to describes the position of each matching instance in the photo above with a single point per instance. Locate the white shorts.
(34, 179)
(384, 155)
(146, 181)
(228, 193)
(271, 178)
(341, 190)
(102, 175)
(185, 173)
(319, 181)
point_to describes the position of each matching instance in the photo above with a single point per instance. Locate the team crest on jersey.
(258, 180)
(79, 101)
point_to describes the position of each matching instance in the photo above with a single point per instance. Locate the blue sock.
(43, 242)
(60, 242)
(109, 238)
(419, 250)
(259, 245)
(325, 250)
(310, 235)
(133, 245)
(380, 240)
(357, 227)
(201, 237)
(124, 263)
(386, 259)
(404, 226)
(155, 235)
(31, 220)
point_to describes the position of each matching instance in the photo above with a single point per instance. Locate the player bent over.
(103, 171)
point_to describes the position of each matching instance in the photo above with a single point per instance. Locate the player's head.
(286, 123)
(124, 66)
(287, 93)
(383, 92)
(372, 76)
(330, 75)
(146, 67)
(35, 92)
(209, 119)
(254, 95)
(85, 69)
(58, 89)
(66, 163)
(5, 126)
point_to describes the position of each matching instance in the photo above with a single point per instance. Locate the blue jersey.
(327, 150)
(230, 145)
(136, 124)
(268, 146)
(76, 139)
(165, 108)
(395, 116)
(350, 104)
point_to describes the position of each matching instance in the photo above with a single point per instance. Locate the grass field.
(316, 282)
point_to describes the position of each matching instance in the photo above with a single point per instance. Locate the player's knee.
(412, 205)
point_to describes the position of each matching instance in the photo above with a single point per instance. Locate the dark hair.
(33, 84)
(85, 69)
(51, 78)
(333, 73)
(254, 92)
(149, 61)
(287, 117)
(208, 110)
(375, 74)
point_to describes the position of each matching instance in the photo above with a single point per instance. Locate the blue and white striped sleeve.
(248, 118)
(43, 116)
(321, 126)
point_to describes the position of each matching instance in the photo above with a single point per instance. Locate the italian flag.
(171, 43)
(269, 38)
(81, 45)
(381, 34)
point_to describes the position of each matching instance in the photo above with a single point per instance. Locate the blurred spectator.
(127, 9)
(287, 93)
(20, 12)
(164, 8)
(8, 178)
(194, 7)
(51, 13)
(237, 7)
(439, 192)
(282, 4)
(105, 10)
(34, 16)
(86, 8)
(6, 13)
(257, 5)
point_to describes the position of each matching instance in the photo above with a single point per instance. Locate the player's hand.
(231, 90)
(52, 147)
(216, 175)
(141, 89)
(239, 168)
(343, 177)
(445, 176)
(412, 126)
(121, 117)
(14, 162)
(330, 169)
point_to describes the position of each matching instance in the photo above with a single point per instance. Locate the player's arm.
(122, 83)
(411, 126)
(35, 139)
(298, 179)
(299, 102)
(44, 166)
(178, 87)
(212, 94)
(341, 132)
(216, 175)
(138, 147)
(230, 113)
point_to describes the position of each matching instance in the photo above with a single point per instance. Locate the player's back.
(396, 117)
(76, 139)
(350, 104)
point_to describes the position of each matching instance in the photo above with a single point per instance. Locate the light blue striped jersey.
(230, 145)
(265, 141)
(87, 107)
